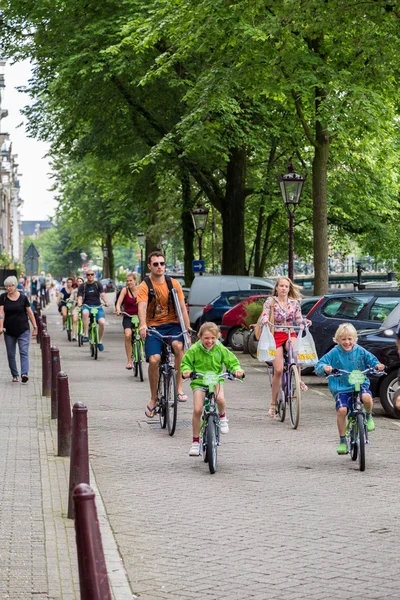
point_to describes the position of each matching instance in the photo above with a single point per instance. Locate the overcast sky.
(39, 202)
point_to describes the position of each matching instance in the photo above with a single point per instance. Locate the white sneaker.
(223, 423)
(194, 449)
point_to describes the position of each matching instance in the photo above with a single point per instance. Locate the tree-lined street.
(284, 517)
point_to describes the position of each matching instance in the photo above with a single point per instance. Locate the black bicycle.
(167, 395)
(356, 430)
(210, 425)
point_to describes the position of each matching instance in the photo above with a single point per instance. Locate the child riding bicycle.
(348, 355)
(208, 354)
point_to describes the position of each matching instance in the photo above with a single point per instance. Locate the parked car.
(108, 285)
(215, 310)
(365, 310)
(382, 343)
(233, 320)
(205, 288)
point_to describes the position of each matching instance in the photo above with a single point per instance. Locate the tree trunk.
(233, 246)
(108, 258)
(320, 210)
(187, 228)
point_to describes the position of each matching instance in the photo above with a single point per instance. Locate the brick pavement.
(283, 518)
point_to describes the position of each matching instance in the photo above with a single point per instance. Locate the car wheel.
(235, 339)
(390, 385)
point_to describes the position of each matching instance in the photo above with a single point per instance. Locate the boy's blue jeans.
(23, 345)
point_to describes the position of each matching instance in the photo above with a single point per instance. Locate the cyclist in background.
(75, 310)
(157, 310)
(63, 296)
(127, 297)
(90, 295)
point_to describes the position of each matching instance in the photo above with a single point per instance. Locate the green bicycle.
(137, 347)
(68, 320)
(93, 332)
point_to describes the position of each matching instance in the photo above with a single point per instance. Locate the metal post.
(55, 369)
(93, 578)
(291, 236)
(200, 248)
(64, 423)
(142, 267)
(79, 464)
(46, 364)
(39, 334)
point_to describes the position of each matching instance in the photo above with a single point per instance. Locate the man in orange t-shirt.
(160, 314)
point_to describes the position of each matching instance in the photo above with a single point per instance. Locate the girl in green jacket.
(208, 354)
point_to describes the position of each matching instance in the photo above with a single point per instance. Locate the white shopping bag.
(304, 349)
(266, 349)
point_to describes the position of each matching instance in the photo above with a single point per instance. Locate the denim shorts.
(153, 344)
(344, 398)
(100, 312)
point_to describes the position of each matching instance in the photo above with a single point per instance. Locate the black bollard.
(46, 364)
(79, 463)
(55, 369)
(39, 323)
(64, 424)
(93, 578)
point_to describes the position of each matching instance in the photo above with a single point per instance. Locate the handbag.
(266, 350)
(304, 349)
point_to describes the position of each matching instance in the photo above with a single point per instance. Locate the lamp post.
(199, 216)
(141, 240)
(291, 186)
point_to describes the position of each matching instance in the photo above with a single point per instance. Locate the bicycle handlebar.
(367, 371)
(126, 314)
(151, 331)
(227, 375)
(300, 327)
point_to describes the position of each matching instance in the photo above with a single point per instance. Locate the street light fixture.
(200, 216)
(141, 240)
(291, 186)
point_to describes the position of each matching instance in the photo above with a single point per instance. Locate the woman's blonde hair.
(208, 326)
(294, 292)
(345, 329)
(133, 275)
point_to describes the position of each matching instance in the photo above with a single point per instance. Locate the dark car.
(365, 310)
(382, 343)
(108, 285)
(215, 310)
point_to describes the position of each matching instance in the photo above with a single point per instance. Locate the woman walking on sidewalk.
(15, 311)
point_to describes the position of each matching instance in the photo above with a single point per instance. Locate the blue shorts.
(153, 344)
(100, 312)
(344, 398)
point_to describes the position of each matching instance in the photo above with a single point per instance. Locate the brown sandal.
(272, 411)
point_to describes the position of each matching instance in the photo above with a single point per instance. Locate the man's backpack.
(152, 295)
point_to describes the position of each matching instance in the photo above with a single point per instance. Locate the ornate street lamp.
(141, 240)
(200, 216)
(291, 186)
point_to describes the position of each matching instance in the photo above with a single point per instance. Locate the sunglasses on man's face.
(90, 274)
(156, 264)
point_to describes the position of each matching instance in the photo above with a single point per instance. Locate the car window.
(345, 308)
(257, 286)
(233, 299)
(381, 308)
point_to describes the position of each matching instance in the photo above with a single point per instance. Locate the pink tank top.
(130, 304)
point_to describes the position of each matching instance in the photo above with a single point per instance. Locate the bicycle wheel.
(138, 360)
(281, 405)
(361, 442)
(161, 400)
(212, 444)
(96, 343)
(252, 344)
(171, 401)
(294, 396)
